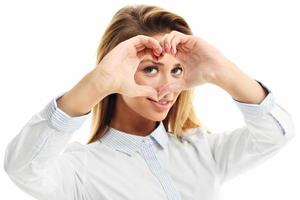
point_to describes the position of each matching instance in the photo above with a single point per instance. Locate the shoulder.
(75, 147)
(77, 153)
(194, 134)
(79, 149)
(74, 150)
(191, 136)
(194, 145)
(84, 153)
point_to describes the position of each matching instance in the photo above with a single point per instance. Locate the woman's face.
(155, 74)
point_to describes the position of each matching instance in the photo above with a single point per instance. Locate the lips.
(162, 102)
(161, 105)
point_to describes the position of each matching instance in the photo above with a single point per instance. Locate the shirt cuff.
(264, 107)
(60, 120)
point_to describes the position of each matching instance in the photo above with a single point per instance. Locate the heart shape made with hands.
(201, 60)
(176, 86)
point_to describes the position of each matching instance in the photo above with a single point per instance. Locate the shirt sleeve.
(268, 127)
(33, 158)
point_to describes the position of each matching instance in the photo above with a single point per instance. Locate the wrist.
(225, 75)
(102, 82)
(239, 85)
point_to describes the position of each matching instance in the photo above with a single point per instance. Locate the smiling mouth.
(161, 102)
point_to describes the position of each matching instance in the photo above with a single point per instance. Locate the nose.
(164, 80)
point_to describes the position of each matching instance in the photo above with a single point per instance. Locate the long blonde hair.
(148, 20)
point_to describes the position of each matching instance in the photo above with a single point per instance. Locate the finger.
(172, 35)
(149, 42)
(187, 42)
(180, 40)
(140, 48)
(146, 52)
(174, 42)
(167, 44)
(148, 91)
(171, 87)
(163, 44)
(144, 48)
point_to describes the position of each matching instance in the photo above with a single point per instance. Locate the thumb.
(148, 91)
(171, 87)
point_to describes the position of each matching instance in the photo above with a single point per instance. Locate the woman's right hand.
(119, 65)
(114, 74)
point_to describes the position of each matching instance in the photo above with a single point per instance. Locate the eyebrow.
(159, 63)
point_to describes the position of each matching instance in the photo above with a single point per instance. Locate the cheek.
(135, 103)
(146, 111)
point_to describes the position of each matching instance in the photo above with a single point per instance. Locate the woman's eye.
(176, 69)
(149, 69)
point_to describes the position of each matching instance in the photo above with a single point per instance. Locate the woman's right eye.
(149, 69)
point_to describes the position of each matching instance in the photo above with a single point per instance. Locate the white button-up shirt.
(121, 166)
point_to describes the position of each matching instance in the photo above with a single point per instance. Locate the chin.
(155, 116)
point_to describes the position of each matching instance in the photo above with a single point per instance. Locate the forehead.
(166, 60)
(158, 36)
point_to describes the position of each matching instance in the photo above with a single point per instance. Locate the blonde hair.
(148, 20)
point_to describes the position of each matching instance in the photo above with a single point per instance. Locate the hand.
(201, 61)
(120, 64)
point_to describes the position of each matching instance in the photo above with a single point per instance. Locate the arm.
(239, 85)
(268, 127)
(32, 158)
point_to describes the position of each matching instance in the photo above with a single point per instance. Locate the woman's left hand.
(202, 62)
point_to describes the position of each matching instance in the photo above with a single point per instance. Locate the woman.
(146, 141)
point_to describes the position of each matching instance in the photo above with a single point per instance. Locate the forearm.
(239, 85)
(84, 95)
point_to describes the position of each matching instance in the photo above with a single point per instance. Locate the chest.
(119, 176)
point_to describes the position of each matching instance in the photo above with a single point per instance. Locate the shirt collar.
(129, 143)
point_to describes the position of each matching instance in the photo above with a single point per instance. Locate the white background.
(46, 47)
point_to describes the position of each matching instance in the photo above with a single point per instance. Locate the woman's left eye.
(180, 70)
(149, 69)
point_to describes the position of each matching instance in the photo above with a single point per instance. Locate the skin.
(202, 63)
(129, 115)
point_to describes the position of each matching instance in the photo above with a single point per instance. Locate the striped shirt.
(43, 162)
